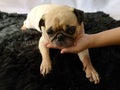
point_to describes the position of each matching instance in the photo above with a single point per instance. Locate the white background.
(111, 7)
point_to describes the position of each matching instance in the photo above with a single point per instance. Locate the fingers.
(66, 50)
(63, 50)
(50, 45)
(70, 50)
(73, 49)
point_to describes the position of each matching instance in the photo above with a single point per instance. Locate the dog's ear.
(79, 14)
(41, 22)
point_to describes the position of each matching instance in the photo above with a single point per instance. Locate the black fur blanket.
(20, 58)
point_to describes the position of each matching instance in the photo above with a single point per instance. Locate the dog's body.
(60, 25)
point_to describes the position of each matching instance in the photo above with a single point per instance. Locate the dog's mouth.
(62, 40)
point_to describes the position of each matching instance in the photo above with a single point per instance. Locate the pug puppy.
(60, 25)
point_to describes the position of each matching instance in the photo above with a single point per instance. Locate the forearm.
(85, 41)
(105, 38)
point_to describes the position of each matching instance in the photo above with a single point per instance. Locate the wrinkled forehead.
(60, 19)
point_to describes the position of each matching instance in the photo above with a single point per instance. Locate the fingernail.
(62, 52)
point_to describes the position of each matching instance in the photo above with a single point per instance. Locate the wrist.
(91, 40)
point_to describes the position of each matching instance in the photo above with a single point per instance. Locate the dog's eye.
(50, 31)
(70, 29)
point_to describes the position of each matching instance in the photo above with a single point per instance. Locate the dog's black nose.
(60, 37)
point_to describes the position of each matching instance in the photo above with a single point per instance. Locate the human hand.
(81, 43)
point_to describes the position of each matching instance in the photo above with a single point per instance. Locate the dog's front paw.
(91, 74)
(45, 67)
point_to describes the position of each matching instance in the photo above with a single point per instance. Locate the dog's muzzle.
(63, 40)
(60, 37)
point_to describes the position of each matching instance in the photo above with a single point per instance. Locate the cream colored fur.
(47, 11)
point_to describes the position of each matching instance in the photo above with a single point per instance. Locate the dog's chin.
(64, 44)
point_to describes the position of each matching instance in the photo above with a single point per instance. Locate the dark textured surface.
(20, 59)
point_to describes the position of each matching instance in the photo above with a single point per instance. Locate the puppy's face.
(62, 26)
(63, 36)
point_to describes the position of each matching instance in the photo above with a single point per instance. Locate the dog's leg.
(45, 66)
(91, 73)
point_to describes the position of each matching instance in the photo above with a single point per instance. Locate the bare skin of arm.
(105, 38)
